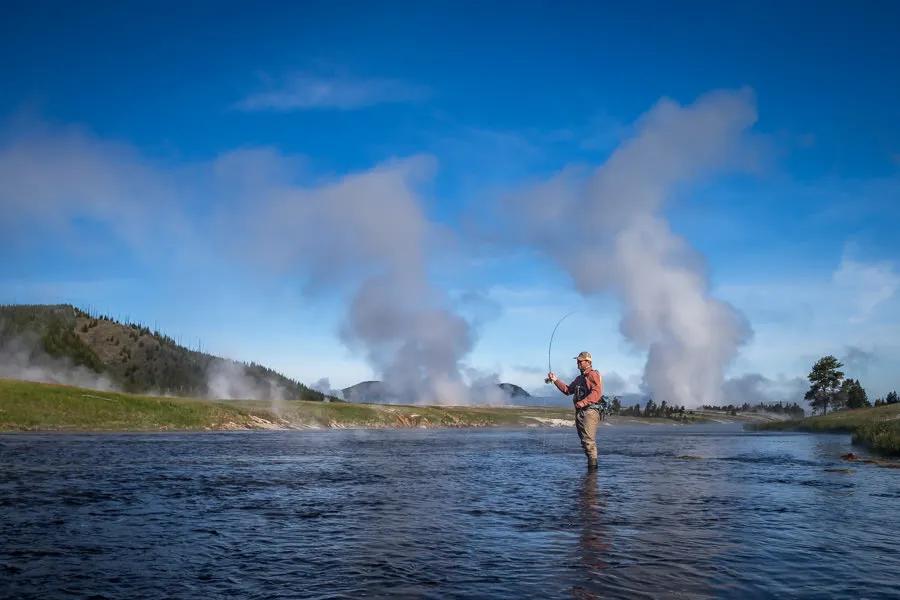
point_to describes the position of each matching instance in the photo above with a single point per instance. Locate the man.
(587, 389)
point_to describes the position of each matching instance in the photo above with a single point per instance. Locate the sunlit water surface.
(673, 512)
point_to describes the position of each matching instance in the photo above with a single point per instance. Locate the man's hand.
(551, 377)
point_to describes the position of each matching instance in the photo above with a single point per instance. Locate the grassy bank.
(28, 406)
(340, 414)
(875, 428)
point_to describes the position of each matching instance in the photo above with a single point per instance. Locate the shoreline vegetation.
(31, 406)
(876, 428)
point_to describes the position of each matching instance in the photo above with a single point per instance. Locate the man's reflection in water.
(593, 540)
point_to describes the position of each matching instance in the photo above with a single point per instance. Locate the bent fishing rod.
(550, 347)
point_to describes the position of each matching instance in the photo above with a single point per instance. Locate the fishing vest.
(581, 389)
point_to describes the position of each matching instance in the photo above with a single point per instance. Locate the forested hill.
(65, 344)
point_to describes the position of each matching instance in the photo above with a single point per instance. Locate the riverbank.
(29, 406)
(875, 428)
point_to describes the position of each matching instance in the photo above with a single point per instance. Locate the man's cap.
(584, 356)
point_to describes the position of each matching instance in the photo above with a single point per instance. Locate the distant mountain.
(369, 392)
(62, 343)
(376, 392)
(514, 391)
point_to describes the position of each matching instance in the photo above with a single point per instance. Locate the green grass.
(27, 406)
(876, 428)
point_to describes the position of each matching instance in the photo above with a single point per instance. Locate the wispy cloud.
(869, 284)
(305, 91)
(60, 177)
(858, 360)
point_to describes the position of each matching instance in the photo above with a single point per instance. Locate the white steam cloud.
(323, 385)
(607, 229)
(366, 228)
(369, 228)
(22, 357)
(228, 380)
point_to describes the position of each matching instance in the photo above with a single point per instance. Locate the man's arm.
(595, 389)
(568, 390)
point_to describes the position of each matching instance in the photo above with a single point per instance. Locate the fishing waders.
(586, 421)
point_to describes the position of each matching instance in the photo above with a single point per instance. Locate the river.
(692, 512)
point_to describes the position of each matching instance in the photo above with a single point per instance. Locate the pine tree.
(616, 405)
(825, 381)
(840, 398)
(856, 395)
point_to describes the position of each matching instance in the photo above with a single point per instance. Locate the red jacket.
(587, 387)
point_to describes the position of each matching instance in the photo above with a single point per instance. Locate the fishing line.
(550, 347)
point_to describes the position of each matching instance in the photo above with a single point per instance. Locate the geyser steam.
(607, 229)
(369, 228)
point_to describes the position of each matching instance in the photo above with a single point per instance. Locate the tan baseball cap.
(584, 356)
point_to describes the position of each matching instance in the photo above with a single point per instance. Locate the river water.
(673, 512)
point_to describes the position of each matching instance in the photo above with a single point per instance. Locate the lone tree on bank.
(825, 381)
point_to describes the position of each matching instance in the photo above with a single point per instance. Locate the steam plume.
(22, 357)
(606, 228)
(368, 228)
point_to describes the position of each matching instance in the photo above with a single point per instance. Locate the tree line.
(793, 409)
(664, 410)
(651, 409)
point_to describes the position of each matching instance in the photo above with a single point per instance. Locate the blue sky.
(157, 96)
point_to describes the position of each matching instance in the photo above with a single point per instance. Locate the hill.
(64, 344)
(368, 392)
(514, 391)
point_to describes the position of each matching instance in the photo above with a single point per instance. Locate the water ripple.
(683, 513)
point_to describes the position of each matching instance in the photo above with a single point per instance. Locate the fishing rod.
(550, 347)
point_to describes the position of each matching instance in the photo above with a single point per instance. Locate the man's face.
(584, 365)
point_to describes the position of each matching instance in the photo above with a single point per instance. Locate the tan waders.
(588, 391)
(586, 421)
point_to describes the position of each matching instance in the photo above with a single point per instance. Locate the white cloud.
(804, 316)
(866, 285)
(305, 91)
(53, 177)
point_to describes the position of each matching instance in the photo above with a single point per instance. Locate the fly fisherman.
(587, 390)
